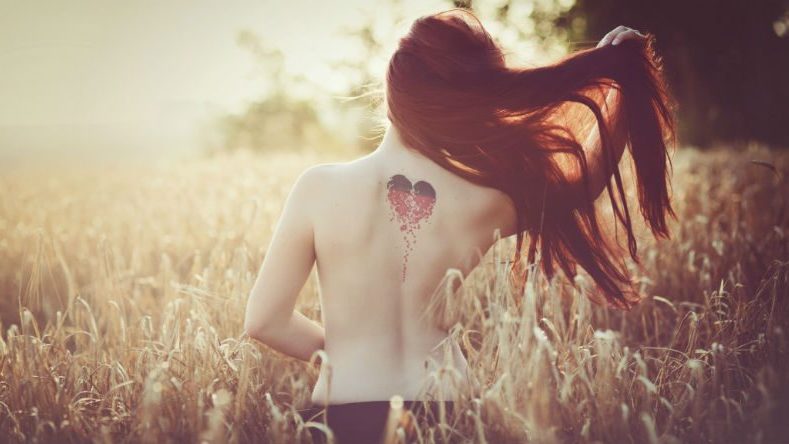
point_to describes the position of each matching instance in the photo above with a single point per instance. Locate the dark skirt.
(366, 422)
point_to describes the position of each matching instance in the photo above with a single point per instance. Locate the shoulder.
(314, 175)
(313, 180)
(308, 188)
(332, 177)
(315, 184)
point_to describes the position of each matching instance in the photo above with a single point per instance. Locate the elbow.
(250, 329)
(595, 191)
(258, 329)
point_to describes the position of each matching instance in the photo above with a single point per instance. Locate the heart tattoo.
(410, 205)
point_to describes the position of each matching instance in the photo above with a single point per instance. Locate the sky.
(112, 75)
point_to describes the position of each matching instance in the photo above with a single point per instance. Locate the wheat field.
(123, 293)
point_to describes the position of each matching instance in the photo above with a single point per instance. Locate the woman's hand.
(619, 34)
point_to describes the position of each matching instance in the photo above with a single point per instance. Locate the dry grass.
(123, 294)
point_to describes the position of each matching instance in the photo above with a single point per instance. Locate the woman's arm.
(600, 169)
(270, 314)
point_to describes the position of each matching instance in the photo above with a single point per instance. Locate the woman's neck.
(392, 145)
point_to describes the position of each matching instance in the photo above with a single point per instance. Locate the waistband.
(367, 408)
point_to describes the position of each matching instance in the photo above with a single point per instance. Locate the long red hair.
(452, 97)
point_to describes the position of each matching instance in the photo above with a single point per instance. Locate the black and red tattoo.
(410, 205)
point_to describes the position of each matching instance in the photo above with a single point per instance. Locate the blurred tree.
(277, 120)
(364, 97)
(727, 61)
(526, 30)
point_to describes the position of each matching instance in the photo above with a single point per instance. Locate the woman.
(475, 147)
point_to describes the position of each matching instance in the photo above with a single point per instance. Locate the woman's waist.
(379, 378)
(387, 353)
(400, 366)
(361, 409)
(329, 391)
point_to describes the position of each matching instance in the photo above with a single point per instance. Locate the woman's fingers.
(610, 36)
(618, 34)
(629, 34)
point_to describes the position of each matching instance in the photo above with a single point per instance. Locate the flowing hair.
(452, 97)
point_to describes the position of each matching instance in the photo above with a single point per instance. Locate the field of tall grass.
(123, 293)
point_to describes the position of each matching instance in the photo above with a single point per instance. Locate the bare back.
(388, 227)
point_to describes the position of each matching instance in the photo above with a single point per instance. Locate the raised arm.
(601, 164)
(600, 169)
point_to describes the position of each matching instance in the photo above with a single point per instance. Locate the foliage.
(278, 120)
